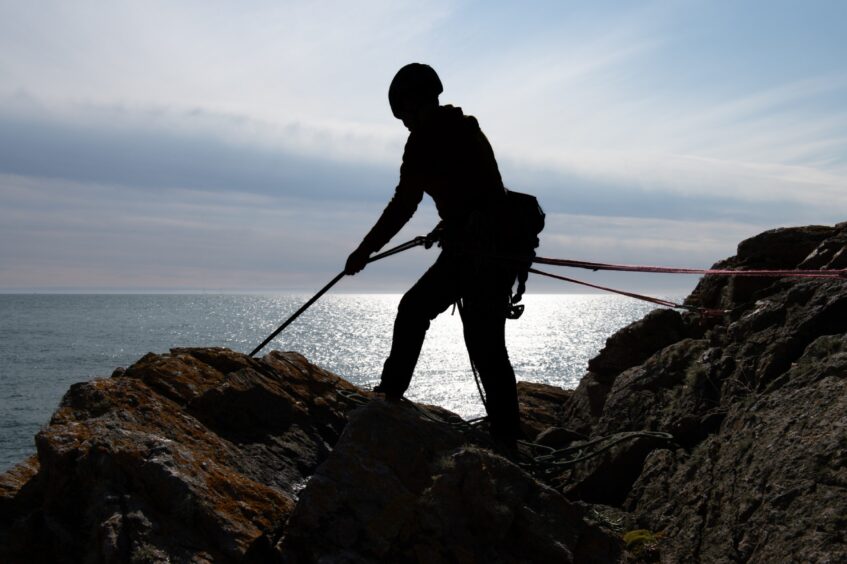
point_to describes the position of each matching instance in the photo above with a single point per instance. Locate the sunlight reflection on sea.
(351, 336)
(48, 342)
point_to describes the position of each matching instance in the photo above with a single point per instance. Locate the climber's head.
(413, 92)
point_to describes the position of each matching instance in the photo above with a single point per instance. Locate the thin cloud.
(161, 160)
(254, 143)
(660, 241)
(61, 234)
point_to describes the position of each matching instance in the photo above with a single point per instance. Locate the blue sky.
(164, 146)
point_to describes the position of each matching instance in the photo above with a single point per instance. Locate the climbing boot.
(389, 393)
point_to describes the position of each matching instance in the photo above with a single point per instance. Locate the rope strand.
(658, 301)
(785, 273)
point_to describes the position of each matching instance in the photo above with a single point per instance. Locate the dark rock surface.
(188, 456)
(757, 404)
(206, 455)
(400, 487)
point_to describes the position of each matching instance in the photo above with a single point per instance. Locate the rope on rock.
(565, 457)
(354, 397)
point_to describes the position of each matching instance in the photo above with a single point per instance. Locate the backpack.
(523, 220)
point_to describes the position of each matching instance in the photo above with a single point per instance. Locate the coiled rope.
(557, 459)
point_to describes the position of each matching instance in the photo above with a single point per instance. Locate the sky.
(248, 146)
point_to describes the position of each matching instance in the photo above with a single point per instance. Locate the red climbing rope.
(703, 272)
(591, 266)
(658, 301)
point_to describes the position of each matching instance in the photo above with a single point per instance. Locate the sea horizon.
(50, 341)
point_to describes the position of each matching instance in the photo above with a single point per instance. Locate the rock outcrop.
(756, 402)
(402, 487)
(187, 457)
(207, 455)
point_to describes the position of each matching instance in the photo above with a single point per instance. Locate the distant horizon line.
(148, 292)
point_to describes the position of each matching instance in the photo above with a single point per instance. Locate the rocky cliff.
(206, 455)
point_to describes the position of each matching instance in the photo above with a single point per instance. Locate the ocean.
(48, 342)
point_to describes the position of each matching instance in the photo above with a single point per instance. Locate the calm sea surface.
(48, 342)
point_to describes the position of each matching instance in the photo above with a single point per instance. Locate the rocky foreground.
(206, 455)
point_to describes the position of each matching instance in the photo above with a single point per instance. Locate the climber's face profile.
(413, 94)
(405, 112)
(414, 115)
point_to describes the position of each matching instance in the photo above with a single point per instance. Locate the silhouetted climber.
(448, 157)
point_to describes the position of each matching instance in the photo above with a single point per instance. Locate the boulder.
(189, 456)
(626, 348)
(540, 406)
(402, 487)
(207, 455)
(755, 402)
(771, 484)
